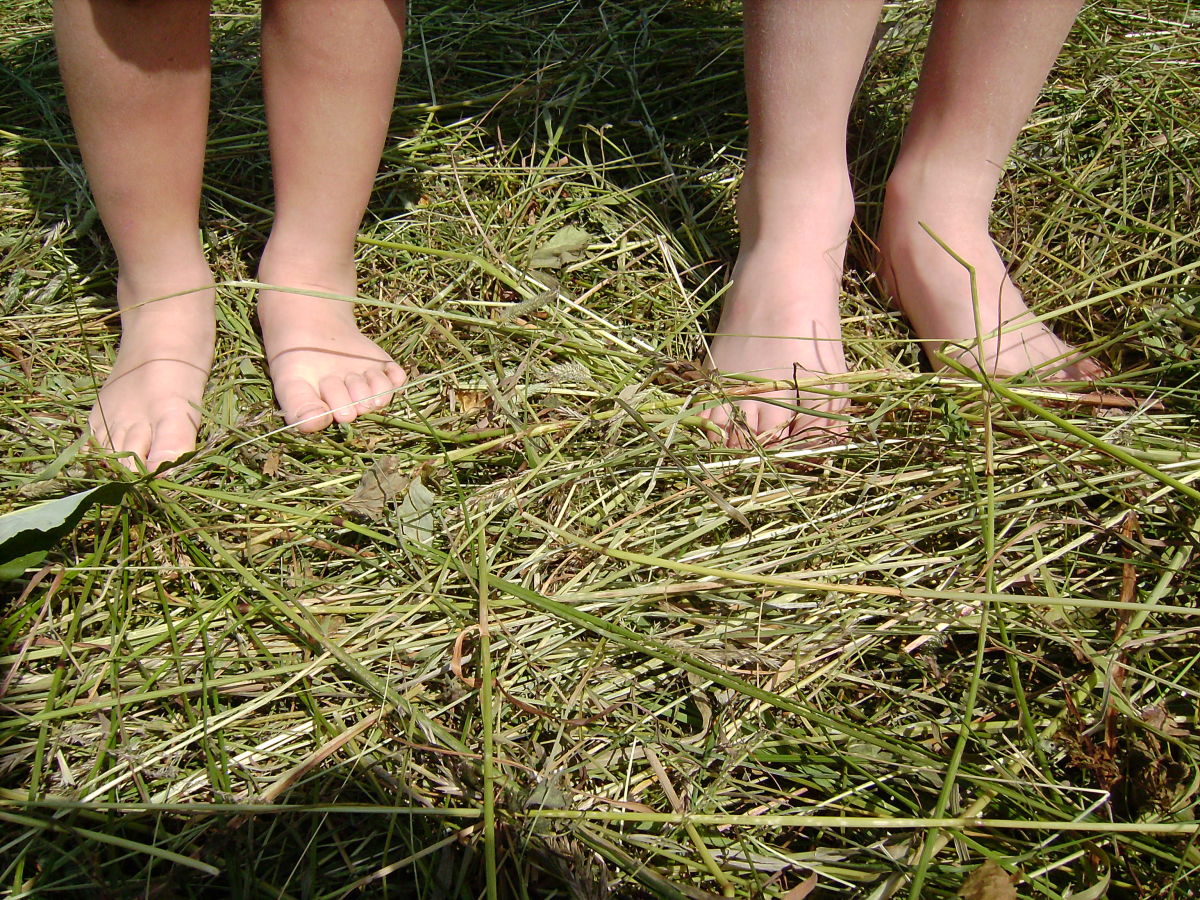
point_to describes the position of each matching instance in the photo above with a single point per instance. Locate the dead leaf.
(468, 402)
(1157, 717)
(564, 246)
(681, 371)
(379, 485)
(988, 882)
(271, 464)
(803, 889)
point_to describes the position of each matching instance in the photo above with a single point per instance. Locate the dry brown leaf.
(988, 882)
(469, 402)
(803, 889)
(379, 485)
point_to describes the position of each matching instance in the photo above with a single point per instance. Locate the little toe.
(1076, 369)
(335, 393)
(1087, 369)
(395, 374)
(98, 426)
(303, 407)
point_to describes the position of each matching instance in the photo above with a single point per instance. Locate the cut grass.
(627, 662)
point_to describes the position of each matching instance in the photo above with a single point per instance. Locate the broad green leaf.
(27, 534)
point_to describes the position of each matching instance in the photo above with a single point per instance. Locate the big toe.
(303, 406)
(772, 422)
(174, 435)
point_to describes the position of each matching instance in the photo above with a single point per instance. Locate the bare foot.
(934, 292)
(149, 403)
(780, 320)
(324, 369)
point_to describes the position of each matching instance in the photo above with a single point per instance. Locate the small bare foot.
(781, 320)
(324, 369)
(934, 291)
(149, 403)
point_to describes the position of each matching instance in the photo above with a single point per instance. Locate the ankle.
(291, 264)
(161, 299)
(794, 207)
(956, 195)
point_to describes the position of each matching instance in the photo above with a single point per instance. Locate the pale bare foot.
(780, 319)
(324, 369)
(934, 291)
(149, 403)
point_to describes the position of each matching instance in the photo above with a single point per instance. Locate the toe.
(303, 407)
(98, 426)
(174, 435)
(717, 417)
(723, 417)
(396, 375)
(1087, 369)
(817, 429)
(1080, 368)
(774, 423)
(137, 439)
(359, 390)
(133, 442)
(381, 389)
(335, 393)
(741, 426)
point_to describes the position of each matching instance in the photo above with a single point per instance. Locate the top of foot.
(323, 368)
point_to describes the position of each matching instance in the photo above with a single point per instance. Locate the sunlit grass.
(968, 632)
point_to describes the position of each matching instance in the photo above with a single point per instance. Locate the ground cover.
(566, 645)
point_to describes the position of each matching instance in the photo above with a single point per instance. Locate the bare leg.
(781, 319)
(330, 70)
(137, 79)
(985, 65)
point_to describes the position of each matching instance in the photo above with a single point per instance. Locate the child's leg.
(137, 78)
(985, 65)
(329, 70)
(780, 318)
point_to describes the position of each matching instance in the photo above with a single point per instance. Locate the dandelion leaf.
(26, 535)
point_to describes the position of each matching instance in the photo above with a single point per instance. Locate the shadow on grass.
(661, 81)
